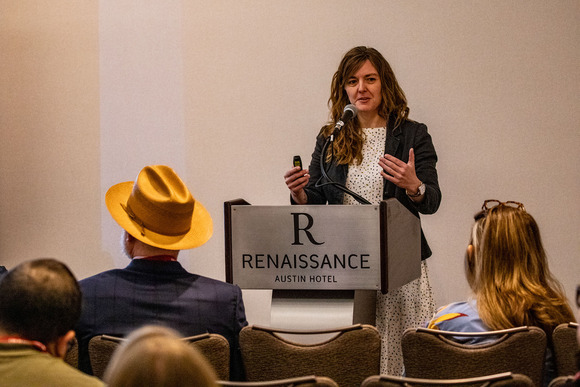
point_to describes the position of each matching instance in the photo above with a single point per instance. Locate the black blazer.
(399, 141)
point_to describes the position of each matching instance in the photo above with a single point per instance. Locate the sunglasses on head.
(492, 203)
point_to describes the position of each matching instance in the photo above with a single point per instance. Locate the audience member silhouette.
(507, 269)
(40, 303)
(160, 217)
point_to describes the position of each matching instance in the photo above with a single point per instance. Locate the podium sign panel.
(306, 247)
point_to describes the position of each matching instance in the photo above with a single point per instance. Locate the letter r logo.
(297, 229)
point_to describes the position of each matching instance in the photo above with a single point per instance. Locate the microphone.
(348, 114)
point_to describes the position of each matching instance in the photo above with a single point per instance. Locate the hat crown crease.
(161, 201)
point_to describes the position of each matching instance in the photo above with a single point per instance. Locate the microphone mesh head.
(348, 113)
(352, 108)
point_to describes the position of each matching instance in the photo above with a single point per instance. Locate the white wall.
(228, 91)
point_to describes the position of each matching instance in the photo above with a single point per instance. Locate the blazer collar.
(156, 267)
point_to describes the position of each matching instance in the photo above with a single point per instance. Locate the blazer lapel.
(392, 141)
(391, 145)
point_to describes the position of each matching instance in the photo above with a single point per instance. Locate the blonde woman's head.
(156, 356)
(508, 248)
(507, 269)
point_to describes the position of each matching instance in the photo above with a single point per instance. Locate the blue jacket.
(118, 301)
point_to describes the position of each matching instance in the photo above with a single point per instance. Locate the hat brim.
(200, 231)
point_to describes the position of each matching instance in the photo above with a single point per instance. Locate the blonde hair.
(509, 273)
(155, 356)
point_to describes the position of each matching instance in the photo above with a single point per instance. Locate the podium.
(328, 253)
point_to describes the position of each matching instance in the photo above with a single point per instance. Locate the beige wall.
(227, 91)
(49, 118)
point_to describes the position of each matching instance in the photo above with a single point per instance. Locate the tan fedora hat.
(159, 210)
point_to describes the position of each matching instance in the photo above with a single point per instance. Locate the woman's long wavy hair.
(348, 143)
(509, 274)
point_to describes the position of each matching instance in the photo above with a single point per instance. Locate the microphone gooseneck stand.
(329, 181)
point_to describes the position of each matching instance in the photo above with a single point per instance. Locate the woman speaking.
(376, 155)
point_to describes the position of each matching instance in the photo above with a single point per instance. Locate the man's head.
(40, 300)
(159, 210)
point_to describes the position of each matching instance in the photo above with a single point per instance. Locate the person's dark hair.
(39, 300)
(348, 144)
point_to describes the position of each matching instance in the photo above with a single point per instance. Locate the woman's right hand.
(296, 179)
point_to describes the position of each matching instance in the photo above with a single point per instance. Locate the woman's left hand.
(401, 174)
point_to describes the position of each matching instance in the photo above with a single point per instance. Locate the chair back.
(565, 348)
(72, 354)
(562, 381)
(214, 347)
(216, 350)
(434, 354)
(348, 357)
(495, 380)
(101, 349)
(303, 381)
